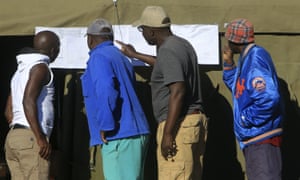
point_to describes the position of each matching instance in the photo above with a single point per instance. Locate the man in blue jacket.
(115, 116)
(258, 108)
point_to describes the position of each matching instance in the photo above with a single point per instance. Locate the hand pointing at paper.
(129, 50)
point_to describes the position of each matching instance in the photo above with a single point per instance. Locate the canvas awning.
(20, 17)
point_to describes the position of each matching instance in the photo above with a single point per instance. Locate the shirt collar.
(103, 44)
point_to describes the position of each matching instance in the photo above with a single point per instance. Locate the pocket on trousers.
(171, 171)
(191, 130)
(21, 143)
(204, 127)
(204, 122)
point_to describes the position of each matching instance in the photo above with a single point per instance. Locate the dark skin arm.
(177, 94)
(130, 51)
(103, 137)
(8, 110)
(227, 55)
(39, 76)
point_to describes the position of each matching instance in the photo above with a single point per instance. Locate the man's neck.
(162, 38)
(245, 48)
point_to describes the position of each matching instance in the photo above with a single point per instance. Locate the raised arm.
(130, 51)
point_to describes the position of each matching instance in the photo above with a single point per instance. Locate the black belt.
(195, 111)
(19, 126)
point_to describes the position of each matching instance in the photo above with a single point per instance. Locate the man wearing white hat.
(176, 97)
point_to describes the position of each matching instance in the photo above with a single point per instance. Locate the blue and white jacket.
(258, 108)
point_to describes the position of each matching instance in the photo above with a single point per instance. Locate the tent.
(277, 28)
(20, 18)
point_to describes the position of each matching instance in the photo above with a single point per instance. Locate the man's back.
(176, 61)
(44, 102)
(113, 95)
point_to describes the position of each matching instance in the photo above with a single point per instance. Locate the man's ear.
(90, 42)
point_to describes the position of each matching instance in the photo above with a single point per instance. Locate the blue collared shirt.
(109, 94)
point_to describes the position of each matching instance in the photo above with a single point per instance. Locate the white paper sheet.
(74, 51)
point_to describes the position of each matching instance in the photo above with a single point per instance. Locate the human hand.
(103, 137)
(9, 121)
(45, 148)
(127, 49)
(227, 55)
(168, 147)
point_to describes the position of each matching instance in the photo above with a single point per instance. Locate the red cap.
(240, 31)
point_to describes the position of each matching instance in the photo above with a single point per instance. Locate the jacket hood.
(23, 60)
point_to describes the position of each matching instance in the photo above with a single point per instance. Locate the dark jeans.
(263, 162)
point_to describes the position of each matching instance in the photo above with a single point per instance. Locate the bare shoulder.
(40, 73)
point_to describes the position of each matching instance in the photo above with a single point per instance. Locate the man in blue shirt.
(115, 116)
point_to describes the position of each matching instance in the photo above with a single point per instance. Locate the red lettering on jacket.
(240, 87)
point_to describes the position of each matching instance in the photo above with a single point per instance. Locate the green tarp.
(20, 17)
(277, 28)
